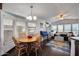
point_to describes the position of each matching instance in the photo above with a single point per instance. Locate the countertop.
(74, 38)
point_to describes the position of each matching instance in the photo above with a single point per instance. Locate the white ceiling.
(43, 10)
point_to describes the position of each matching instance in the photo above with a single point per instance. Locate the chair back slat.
(15, 41)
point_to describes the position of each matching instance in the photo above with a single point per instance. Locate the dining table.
(28, 40)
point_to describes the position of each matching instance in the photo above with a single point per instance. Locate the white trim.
(72, 47)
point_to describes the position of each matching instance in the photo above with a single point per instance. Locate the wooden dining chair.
(37, 46)
(20, 49)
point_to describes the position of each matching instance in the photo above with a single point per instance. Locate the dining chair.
(37, 46)
(20, 49)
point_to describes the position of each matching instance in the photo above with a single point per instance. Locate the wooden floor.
(46, 51)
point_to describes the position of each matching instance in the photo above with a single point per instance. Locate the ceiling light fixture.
(31, 17)
(61, 17)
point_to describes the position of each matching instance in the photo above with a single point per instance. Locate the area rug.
(59, 45)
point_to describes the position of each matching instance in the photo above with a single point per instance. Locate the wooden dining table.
(27, 42)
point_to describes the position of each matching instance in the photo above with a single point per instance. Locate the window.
(20, 23)
(8, 31)
(31, 28)
(54, 28)
(60, 28)
(8, 23)
(31, 25)
(67, 28)
(75, 29)
(21, 27)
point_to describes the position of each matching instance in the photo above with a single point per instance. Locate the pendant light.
(31, 17)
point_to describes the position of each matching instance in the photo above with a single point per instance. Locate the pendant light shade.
(31, 17)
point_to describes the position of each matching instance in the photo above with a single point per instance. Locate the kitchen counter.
(73, 40)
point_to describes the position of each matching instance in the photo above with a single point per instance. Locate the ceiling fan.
(60, 16)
